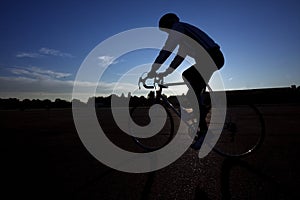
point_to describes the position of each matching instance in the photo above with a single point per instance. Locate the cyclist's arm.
(171, 43)
(176, 62)
(161, 58)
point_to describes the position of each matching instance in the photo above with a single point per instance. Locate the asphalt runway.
(43, 157)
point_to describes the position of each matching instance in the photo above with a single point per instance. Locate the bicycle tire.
(243, 132)
(139, 115)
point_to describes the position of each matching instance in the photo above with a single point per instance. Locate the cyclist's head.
(168, 20)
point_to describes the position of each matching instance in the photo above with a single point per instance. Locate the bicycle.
(243, 131)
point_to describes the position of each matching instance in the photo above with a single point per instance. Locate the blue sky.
(43, 43)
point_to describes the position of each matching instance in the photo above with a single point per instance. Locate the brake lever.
(159, 80)
(139, 83)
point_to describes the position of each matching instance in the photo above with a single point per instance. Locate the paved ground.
(43, 157)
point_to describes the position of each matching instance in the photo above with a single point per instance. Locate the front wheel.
(140, 115)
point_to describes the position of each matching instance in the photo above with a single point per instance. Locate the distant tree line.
(255, 96)
(14, 103)
(133, 100)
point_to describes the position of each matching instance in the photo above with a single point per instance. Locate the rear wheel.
(243, 132)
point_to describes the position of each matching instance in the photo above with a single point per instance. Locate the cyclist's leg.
(198, 85)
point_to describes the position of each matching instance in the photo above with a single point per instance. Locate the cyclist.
(191, 75)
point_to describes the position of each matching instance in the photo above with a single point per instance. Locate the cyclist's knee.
(189, 74)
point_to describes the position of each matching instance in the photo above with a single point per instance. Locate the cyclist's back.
(196, 34)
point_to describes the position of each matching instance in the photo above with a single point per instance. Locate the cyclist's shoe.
(187, 116)
(197, 143)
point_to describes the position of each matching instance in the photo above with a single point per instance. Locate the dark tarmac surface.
(43, 157)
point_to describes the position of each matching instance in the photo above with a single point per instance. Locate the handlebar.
(157, 80)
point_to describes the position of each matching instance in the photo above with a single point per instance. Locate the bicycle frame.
(165, 100)
(159, 96)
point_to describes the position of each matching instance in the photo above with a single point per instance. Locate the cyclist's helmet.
(168, 20)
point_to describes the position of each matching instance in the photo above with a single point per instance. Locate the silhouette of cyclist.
(191, 75)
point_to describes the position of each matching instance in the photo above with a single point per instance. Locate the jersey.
(172, 42)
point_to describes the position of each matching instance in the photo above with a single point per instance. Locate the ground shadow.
(200, 194)
(226, 170)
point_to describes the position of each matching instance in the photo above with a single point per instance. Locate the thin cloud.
(29, 82)
(29, 87)
(106, 61)
(38, 73)
(49, 73)
(54, 52)
(44, 52)
(28, 55)
(33, 84)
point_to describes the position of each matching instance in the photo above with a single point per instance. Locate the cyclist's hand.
(165, 73)
(151, 74)
(161, 75)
